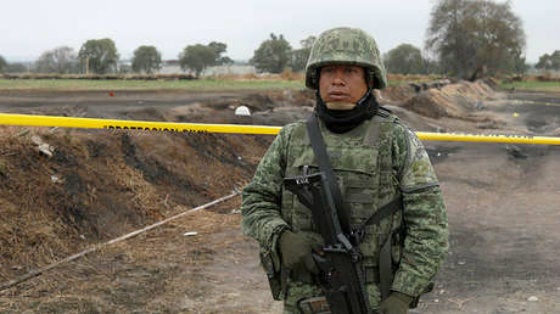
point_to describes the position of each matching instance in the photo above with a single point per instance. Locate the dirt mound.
(395, 94)
(455, 100)
(101, 184)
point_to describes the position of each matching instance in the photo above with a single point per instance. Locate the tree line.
(100, 56)
(465, 38)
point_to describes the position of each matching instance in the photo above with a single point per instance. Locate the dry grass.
(100, 185)
(286, 75)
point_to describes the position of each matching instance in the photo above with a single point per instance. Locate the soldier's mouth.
(337, 96)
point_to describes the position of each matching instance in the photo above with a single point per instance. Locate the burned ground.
(100, 184)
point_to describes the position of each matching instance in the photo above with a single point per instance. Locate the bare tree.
(59, 60)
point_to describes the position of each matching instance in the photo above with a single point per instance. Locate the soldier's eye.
(351, 70)
(327, 70)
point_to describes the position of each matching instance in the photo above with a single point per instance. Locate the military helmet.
(347, 46)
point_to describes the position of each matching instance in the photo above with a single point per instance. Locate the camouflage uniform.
(379, 160)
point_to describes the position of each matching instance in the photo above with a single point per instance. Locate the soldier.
(378, 163)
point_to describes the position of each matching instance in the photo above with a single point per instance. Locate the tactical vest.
(362, 160)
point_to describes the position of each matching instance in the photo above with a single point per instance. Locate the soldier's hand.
(296, 247)
(396, 303)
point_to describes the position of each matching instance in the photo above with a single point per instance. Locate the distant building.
(170, 67)
(173, 67)
(234, 69)
(124, 66)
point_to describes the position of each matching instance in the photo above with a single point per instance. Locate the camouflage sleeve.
(425, 218)
(260, 207)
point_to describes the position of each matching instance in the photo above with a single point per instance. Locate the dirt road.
(502, 204)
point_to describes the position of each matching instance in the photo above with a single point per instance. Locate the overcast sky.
(30, 27)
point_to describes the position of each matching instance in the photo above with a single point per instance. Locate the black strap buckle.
(357, 234)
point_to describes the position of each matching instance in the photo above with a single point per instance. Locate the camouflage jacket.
(268, 209)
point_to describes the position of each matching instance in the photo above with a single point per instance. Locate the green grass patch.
(533, 86)
(210, 85)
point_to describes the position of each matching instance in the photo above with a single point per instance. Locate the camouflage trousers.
(299, 291)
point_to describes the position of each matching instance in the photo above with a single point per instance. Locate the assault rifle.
(341, 275)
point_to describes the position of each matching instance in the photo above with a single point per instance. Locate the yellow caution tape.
(201, 128)
(89, 123)
(489, 138)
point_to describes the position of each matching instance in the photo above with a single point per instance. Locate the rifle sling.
(385, 211)
(318, 145)
(385, 255)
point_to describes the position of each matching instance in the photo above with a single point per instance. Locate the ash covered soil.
(502, 202)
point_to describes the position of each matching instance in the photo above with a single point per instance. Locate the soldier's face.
(342, 83)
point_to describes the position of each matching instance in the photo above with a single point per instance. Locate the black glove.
(296, 248)
(396, 303)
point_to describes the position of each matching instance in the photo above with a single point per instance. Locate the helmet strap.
(370, 78)
(316, 75)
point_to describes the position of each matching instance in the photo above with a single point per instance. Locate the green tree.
(549, 62)
(405, 59)
(99, 56)
(219, 49)
(146, 59)
(59, 60)
(299, 57)
(16, 67)
(272, 55)
(3, 64)
(198, 57)
(476, 37)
